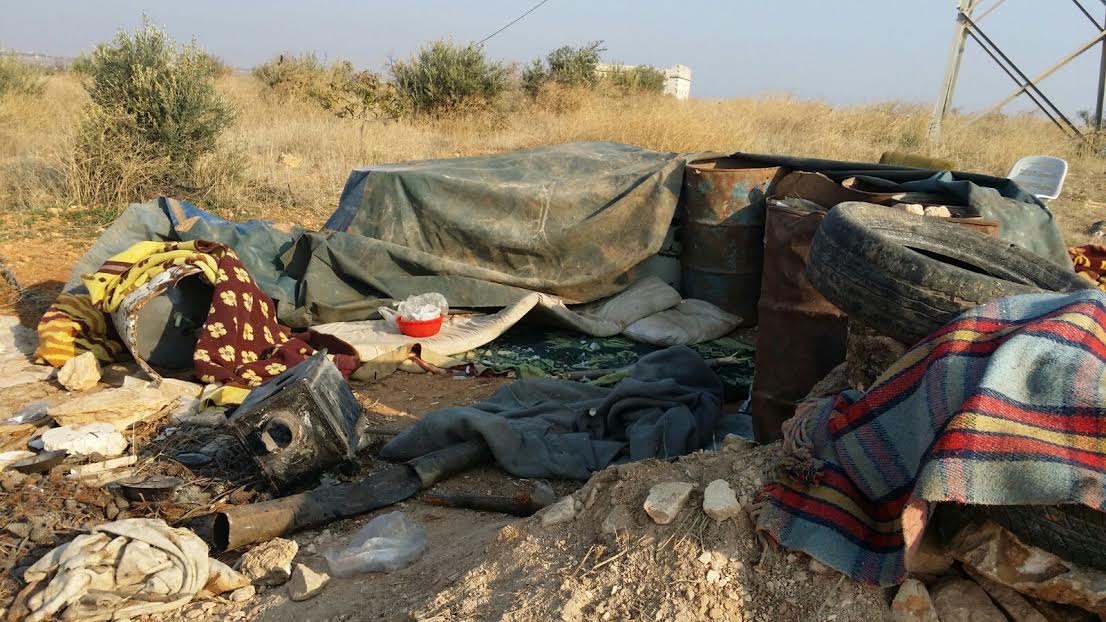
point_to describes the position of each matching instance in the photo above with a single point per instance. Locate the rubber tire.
(865, 259)
(1072, 532)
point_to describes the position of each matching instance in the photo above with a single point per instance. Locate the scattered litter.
(207, 418)
(85, 440)
(524, 504)
(221, 578)
(149, 488)
(9, 457)
(387, 543)
(34, 413)
(300, 423)
(85, 470)
(40, 463)
(192, 458)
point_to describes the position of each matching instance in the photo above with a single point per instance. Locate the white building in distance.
(677, 79)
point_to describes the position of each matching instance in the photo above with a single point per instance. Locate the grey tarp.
(570, 220)
(671, 405)
(575, 220)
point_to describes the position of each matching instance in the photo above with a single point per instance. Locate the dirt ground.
(476, 566)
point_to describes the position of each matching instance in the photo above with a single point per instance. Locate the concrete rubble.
(560, 512)
(961, 600)
(666, 500)
(80, 373)
(269, 563)
(720, 501)
(913, 604)
(306, 583)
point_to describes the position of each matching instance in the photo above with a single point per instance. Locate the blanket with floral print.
(241, 344)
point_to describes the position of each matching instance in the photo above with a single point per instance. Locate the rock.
(713, 576)
(961, 600)
(915, 208)
(41, 535)
(995, 553)
(937, 211)
(618, 519)
(719, 501)
(818, 567)
(931, 557)
(1013, 604)
(130, 382)
(1098, 229)
(310, 548)
(110, 511)
(243, 594)
(80, 373)
(735, 443)
(85, 440)
(173, 388)
(19, 530)
(560, 512)
(269, 563)
(12, 481)
(306, 583)
(119, 407)
(222, 578)
(185, 408)
(913, 604)
(666, 500)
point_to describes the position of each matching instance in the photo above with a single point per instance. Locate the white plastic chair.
(1041, 176)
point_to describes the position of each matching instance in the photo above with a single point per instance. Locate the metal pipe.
(259, 522)
(952, 72)
(1015, 79)
(522, 504)
(1028, 83)
(1101, 87)
(1046, 73)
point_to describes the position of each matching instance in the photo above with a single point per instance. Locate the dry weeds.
(36, 134)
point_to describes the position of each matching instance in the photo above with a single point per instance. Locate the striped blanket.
(1006, 405)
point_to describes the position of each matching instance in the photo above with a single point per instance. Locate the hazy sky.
(843, 51)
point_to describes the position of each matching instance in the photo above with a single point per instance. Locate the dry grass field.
(297, 156)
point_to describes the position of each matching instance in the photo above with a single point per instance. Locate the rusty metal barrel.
(723, 234)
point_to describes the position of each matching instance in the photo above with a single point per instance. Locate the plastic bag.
(389, 542)
(419, 307)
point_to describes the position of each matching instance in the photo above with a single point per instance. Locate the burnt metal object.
(801, 335)
(723, 236)
(300, 423)
(148, 488)
(160, 321)
(258, 522)
(522, 504)
(40, 463)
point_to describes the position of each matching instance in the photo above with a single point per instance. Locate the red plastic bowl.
(420, 328)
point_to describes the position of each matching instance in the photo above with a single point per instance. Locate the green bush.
(152, 98)
(20, 78)
(447, 77)
(575, 67)
(636, 79)
(340, 88)
(533, 77)
(290, 77)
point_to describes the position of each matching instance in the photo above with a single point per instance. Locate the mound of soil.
(691, 569)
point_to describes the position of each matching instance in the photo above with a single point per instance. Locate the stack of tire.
(906, 276)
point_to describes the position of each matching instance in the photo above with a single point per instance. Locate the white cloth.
(123, 569)
(688, 324)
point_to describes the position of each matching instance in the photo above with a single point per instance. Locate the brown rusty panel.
(823, 190)
(979, 225)
(801, 335)
(717, 193)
